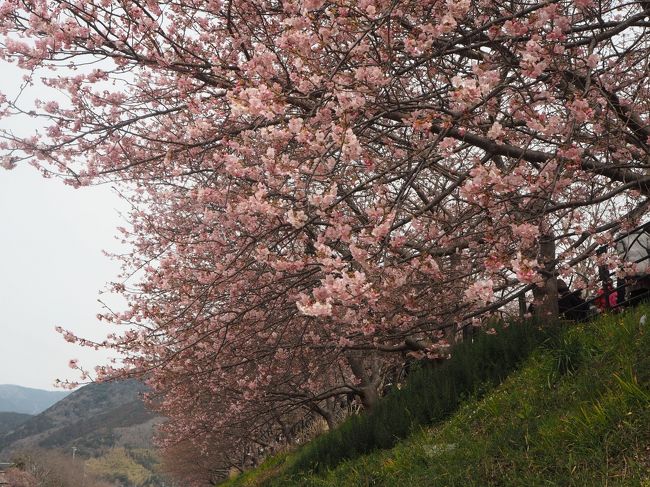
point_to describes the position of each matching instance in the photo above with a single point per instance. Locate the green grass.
(576, 413)
(431, 394)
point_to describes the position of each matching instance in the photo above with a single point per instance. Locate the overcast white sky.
(51, 269)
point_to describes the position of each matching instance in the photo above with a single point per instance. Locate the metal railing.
(605, 276)
(467, 329)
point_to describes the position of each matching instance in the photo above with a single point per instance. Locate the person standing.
(607, 297)
(570, 303)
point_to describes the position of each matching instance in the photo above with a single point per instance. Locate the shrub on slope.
(431, 394)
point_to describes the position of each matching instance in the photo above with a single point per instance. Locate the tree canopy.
(319, 187)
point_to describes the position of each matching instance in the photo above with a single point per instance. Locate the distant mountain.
(17, 399)
(9, 421)
(93, 419)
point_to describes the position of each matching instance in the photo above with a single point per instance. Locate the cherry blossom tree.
(319, 187)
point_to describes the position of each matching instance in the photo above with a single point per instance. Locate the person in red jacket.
(607, 297)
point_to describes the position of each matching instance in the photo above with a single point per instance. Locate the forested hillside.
(93, 418)
(9, 421)
(101, 429)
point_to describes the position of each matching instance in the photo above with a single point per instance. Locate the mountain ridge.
(27, 400)
(93, 418)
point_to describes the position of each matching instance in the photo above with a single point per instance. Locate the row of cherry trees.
(319, 187)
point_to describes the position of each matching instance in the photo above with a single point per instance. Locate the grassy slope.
(576, 414)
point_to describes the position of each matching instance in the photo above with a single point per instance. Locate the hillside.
(92, 418)
(577, 413)
(18, 399)
(9, 421)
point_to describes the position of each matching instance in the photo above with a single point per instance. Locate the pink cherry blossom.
(316, 185)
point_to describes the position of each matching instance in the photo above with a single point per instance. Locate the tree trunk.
(546, 295)
(369, 382)
(522, 306)
(369, 397)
